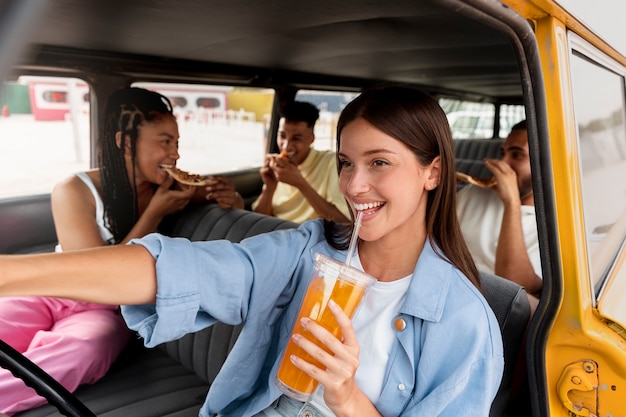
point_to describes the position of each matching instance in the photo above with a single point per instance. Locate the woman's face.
(157, 143)
(381, 177)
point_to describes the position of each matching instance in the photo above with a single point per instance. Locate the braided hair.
(126, 109)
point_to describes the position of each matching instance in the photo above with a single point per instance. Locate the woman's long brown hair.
(415, 119)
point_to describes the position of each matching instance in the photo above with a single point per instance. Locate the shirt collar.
(429, 286)
(309, 161)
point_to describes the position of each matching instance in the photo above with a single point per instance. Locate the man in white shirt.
(499, 222)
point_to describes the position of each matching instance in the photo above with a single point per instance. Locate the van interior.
(472, 51)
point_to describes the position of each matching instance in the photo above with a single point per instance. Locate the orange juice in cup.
(334, 280)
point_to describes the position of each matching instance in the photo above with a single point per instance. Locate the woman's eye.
(344, 163)
(379, 163)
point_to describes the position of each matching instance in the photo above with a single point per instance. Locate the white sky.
(605, 17)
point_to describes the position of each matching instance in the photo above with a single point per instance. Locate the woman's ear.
(118, 142)
(434, 174)
(118, 139)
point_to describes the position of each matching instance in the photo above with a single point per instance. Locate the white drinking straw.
(355, 235)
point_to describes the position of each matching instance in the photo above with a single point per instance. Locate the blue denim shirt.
(448, 361)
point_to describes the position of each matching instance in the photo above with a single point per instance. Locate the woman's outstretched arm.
(121, 274)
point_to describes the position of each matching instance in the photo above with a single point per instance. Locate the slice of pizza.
(480, 182)
(187, 178)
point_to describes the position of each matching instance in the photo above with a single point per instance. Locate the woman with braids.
(444, 355)
(127, 197)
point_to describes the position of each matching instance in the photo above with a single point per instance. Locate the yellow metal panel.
(611, 304)
(579, 334)
(538, 9)
(567, 329)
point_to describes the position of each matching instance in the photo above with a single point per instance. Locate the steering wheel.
(46, 386)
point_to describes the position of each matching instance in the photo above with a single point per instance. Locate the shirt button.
(401, 387)
(399, 324)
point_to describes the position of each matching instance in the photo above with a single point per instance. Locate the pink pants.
(74, 342)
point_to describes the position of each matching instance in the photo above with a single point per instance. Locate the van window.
(598, 95)
(469, 120)
(178, 101)
(222, 128)
(45, 130)
(510, 115)
(330, 105)
(474, 120)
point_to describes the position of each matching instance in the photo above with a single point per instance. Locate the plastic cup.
(334, 280)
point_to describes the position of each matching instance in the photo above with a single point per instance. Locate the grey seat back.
(509, 302)
(470, 153)
(205, 351)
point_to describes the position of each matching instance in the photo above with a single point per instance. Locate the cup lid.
(331, 267)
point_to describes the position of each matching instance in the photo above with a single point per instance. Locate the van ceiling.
(401, 41)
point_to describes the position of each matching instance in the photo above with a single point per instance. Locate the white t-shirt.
(480, 212)
(375, 331)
